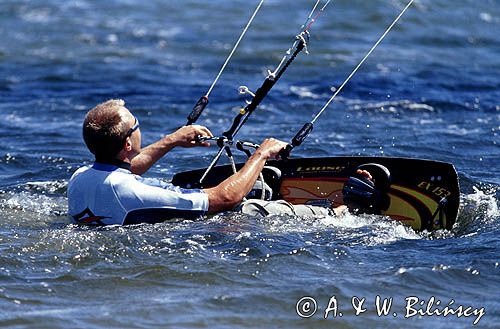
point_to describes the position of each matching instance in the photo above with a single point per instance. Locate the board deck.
(423, 193)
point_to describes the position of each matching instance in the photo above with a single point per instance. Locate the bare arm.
(184, 137)
(231, 191)
(150, 154)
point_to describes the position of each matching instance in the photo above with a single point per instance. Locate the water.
(429, 91)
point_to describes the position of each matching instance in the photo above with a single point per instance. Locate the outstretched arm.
(231, 191)
(184, 137)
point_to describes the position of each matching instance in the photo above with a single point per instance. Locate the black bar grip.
(229, 134)
(260, 94)
(284, 154)
(296, 141)
(298, 49)
(302, 134)
(197, 109)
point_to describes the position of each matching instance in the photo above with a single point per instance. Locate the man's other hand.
(187, 136)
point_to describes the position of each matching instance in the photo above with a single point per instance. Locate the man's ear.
(128, 145)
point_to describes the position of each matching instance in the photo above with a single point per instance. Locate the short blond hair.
(104, 129)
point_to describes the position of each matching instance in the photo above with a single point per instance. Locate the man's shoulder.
(78, 172)
(89, 170)
(88, 174)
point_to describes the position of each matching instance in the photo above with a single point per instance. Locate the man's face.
(135, 137)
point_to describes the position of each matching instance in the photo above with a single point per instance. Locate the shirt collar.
(111, 165)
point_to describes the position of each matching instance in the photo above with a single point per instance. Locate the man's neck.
(116, 162)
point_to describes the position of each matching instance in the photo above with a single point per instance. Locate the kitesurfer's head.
(111, 132)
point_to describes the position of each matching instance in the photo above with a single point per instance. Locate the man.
(111, 191)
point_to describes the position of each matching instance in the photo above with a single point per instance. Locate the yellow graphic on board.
(301, 190)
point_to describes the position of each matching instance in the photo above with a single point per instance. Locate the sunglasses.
(134, 128)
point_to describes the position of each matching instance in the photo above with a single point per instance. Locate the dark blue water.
(430, 91)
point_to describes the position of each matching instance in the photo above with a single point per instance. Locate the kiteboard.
(423, 194)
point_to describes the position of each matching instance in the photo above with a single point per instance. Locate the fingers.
(189, 136)
(196, 128)
(201, 131)
(273, 147)
(199, 143)
(364, 173)
(204, 131)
